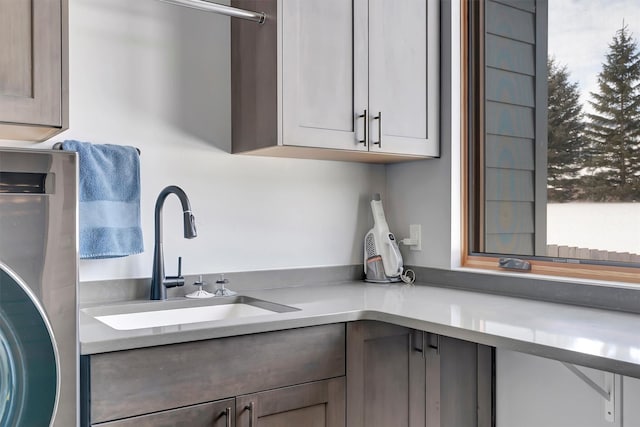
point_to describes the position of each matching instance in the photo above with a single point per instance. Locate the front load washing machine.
(38, 288)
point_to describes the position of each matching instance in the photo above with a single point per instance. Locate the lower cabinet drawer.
(213, 414)
(143, 381)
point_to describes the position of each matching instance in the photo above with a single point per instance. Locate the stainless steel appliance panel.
(38, 288)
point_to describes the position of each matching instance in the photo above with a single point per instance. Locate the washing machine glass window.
(28, 358)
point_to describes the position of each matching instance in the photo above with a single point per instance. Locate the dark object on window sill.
(514, 264)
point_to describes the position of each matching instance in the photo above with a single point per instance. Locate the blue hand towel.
(109, 205)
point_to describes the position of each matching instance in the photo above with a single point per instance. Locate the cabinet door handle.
(364, 127)
(433, 342)
(416, 342)
(227, 413)
(249, 408)
(379, 119)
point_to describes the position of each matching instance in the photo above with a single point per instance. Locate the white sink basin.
(150, 315)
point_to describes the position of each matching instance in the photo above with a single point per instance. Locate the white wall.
(428, 192)
(157, 77)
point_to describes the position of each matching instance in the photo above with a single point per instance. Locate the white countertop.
(601, 339)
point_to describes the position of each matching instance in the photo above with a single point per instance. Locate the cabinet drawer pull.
(364, 127)
(379, 119)
(249, 408)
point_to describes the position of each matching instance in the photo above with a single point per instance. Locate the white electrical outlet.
(414, 241)
(415, 234)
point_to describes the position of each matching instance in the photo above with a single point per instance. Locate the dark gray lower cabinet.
(400, 377)
(213, 414)
(466, 383)
(395, 377)
(318, 404)
(385, 376)
(165, 383)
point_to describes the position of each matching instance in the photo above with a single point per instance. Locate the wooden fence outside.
(558, 251)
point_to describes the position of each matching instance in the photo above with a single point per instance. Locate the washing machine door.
(28, 357)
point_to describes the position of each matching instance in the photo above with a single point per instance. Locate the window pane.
(593, 181)
(556, 135)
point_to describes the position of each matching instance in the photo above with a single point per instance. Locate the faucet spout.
(159, 282)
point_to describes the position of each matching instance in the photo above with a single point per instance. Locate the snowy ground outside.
(603, 226)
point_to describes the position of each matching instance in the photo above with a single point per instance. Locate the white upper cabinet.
(337, 79)
(320, 90)
(403, 76)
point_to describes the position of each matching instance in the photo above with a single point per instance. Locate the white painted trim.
(456, 159)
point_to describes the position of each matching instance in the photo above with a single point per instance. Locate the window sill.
(602, 294)
(565, 271)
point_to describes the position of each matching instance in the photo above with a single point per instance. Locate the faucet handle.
(221, 291)
(173, 281)
(199, 283)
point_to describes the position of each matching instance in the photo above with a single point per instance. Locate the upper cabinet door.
(324, 78)
(404, 78)
(31, 62)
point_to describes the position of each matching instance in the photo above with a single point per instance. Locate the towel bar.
(58, 146)
(209, 6)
